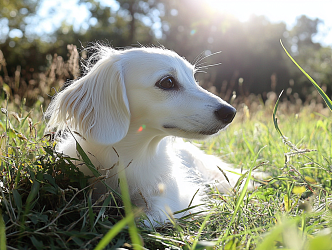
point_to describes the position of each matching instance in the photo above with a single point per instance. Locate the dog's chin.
(193, 134)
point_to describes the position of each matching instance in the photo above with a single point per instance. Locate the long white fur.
(116, 105)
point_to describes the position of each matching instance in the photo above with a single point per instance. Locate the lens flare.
(141, 128)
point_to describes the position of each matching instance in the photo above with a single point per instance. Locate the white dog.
(129, 108)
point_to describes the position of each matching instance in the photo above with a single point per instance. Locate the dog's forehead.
(157, 57)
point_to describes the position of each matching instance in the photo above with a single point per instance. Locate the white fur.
(117, 105)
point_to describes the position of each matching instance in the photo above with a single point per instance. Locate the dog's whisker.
(198, 58)
(206, 56)
(210, 65)
(199, 64)
(204, 64)
(200, 71)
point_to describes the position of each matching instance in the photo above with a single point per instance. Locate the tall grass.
(46, 202)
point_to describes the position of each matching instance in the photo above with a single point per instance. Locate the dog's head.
(127, 89)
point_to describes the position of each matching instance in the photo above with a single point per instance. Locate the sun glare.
(244, 9)
(240, 9)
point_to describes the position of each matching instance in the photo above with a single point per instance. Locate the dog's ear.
(96, 105)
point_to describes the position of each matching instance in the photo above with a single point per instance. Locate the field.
(46, 202)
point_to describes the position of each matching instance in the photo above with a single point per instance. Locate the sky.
(276, 11)
(283, 10)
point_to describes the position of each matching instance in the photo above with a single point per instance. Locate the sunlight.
(273, 10)
(240, 9)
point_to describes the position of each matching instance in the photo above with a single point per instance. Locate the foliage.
(38, 86)
(252, 59)
(319, 90)
(15, 15)
(42, 192)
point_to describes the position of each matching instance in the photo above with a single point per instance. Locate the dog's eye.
(167, 82)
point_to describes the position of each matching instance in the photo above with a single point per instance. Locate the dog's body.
(127, 109)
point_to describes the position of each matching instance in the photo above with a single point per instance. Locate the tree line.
(252, 60)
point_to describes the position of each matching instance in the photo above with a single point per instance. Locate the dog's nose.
(225, 113)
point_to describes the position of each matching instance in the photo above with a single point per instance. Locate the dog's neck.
(139, 145)
(139, 142)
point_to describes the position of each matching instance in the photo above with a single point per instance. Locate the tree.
(302, 33)
(313, 57)
(251, 56)
(14, 16)
(146, 12)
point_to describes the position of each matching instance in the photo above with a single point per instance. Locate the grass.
(46, 202)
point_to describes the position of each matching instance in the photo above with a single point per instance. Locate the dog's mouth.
(210, 131)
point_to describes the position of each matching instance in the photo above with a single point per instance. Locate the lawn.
(46, 202)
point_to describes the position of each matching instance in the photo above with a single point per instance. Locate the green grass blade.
(206, 219)
(113, 232)
(133, 232)
(91, 214)
(24, 119)
(32, 195)
(86, 160)
(248, 144)
(103, 208)
(91, 167)
(275, 121)
(18, 200)
(241, 197)
(269, 241)
(320, 91)
(2, 233)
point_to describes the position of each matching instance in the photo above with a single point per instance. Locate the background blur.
(35, 34)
